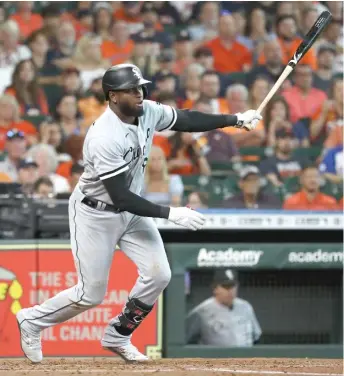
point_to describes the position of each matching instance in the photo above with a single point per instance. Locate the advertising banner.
(30, 276)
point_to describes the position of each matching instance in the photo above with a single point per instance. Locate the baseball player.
(106, 209)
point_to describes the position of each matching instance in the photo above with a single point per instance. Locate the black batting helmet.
(122, 77)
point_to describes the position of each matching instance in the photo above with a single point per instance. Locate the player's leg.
(142, 243)
(93, 240)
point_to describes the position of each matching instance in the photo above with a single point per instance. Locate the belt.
(99, 205)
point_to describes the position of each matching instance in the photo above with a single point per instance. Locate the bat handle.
(275, 88)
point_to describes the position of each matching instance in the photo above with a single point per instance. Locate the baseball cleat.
(31, 344)
(129, 353)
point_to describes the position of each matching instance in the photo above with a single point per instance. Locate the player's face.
(225, 295)
(130, 101)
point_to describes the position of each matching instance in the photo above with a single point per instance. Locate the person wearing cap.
(183, 49)
(152, 29)
(224, 319)
(283, 164)
(322, 77)
(27, 175)
(251, 195)
(16, 147)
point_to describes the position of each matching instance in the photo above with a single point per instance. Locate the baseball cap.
(142, 37)
(202, 51)
(225, 277)
(28, 162)
(182, 36)
(14, 133)
(327, 47)
(284, 133)
(164, 75)
(248, 170)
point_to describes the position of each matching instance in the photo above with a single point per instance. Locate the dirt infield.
(173, 367)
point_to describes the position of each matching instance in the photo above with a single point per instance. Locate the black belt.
(99, 205)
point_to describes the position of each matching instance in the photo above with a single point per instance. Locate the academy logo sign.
(318, 256)
(228, 257)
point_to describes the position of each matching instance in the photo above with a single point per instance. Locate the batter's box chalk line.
(192, 369)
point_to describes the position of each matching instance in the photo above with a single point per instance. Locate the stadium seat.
(35, 120)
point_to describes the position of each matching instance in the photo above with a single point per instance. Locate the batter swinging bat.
(323, 20)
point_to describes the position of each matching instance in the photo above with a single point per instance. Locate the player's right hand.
(186, 217)
(248, 120)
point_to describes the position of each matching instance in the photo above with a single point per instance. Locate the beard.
(128, 110)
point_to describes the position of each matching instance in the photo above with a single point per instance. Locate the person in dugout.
(223, 319)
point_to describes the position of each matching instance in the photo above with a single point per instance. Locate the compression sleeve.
(195, 121)
(126, 200)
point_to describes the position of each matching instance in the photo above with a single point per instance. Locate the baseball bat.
(323, 20)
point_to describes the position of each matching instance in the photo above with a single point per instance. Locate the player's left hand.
(248, 120)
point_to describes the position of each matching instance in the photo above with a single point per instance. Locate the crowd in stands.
(214, 57)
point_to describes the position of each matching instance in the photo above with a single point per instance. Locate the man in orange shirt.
(119, 49)
(26, 20)
(310, 197)
(303, 99)
(229, 55)
(209, 92)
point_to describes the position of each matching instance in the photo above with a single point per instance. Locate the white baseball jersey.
(112, 147)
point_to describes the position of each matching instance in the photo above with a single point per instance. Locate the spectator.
(308, 16)
(332, 165)
(207, 25)
(257, 31)
(16, 147)
(286, 30)
(102, 19)
(277, 118)
(330, 114)
(51, 134)
(27, 175)
(210, 86)
(43, 188)
(160, 187)
(333, 34)
(191, 84)
(71, 82)
(119, 48)
(64, 47)
(76, 171)
(184, 51)
(240, 18)
(165, 62)
(158, 39)
(46, 158)
(309, 197)
(39, 46)
(129, 13)
(251, 195)
(237, 100)
(219, 146)
(303, 99)
(273, 65)
(27, 91)
(11, 51)
(197, 200)
(224, 319)
(204, 57)
(165, 82)
(168, 14)
(258, 91)
(3, 13)
(88, 60)
(184, 156)
(93, 105)
(26, 20)
(51, 21)
(67, 115)
(322, 77)
(10, 119)
(282, 164)
(229, 55)
(72, 147)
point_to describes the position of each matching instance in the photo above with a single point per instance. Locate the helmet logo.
(137, 73)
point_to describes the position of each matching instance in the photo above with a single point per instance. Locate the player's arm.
(195, 121)
(111, 168)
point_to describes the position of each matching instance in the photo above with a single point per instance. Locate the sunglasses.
(14, 133)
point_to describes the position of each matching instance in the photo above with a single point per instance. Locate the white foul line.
(196, 369)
